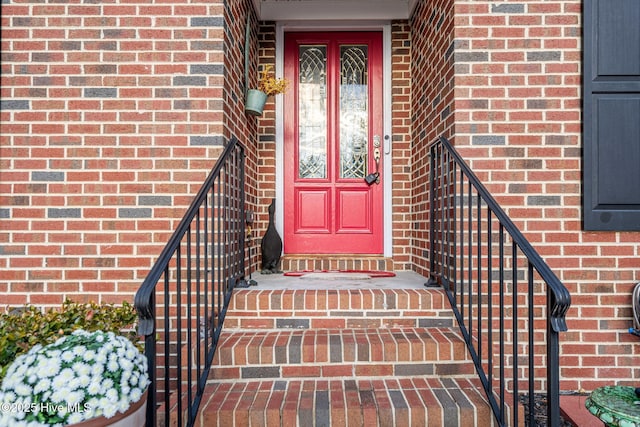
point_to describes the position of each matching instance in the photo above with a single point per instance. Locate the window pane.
(312, 104)
(354, 117)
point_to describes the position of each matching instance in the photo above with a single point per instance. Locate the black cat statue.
(271, 245)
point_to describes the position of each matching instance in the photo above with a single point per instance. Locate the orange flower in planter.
(269, 83)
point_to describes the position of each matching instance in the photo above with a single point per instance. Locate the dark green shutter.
(611, 114)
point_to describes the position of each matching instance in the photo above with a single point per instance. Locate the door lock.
(374, 178)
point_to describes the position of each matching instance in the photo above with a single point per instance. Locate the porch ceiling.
(283, 10)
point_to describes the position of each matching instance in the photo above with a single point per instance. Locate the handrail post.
(432, 280)
(432, 221)
(150, 353)
(553, 369)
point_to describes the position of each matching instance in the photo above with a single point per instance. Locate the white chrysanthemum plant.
(81, 376)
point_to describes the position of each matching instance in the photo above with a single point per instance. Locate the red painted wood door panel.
(332, 124)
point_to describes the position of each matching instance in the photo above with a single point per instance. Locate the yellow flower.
(269, 84)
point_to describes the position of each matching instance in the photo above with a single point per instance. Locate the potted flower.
(268, 85)
(82, 378)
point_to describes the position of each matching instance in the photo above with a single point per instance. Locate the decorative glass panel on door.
(354, 111)
(312, 101)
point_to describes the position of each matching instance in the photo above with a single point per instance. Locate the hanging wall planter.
(268, 85)
(255, 101)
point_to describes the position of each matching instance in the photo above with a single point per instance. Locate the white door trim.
(385, 27)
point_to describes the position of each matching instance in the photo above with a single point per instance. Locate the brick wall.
(266, 144)
(112, 116)
(401, 153)
(237, 123)
(518, 124)
(432, 91)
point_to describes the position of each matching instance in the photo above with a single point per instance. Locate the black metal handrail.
(508, 303)
(183, 300)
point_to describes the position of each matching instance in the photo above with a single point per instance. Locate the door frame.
(385, 28)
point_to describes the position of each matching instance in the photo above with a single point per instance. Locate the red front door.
(332, 138)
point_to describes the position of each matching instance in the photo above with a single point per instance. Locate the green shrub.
(24, 327)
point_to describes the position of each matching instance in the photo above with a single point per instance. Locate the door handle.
(376, 150)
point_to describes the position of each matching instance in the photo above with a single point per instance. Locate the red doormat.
(372, 274)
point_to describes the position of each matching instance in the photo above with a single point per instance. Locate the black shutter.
(611, 115)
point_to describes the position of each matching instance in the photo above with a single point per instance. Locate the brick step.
(345, 402)
(347, 262)
(337, 308)
(340, 353)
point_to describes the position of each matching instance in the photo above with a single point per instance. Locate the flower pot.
(255, 102)
(135, 416)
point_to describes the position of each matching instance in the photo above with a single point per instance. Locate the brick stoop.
(392, 402)
(336, 262)
(331, 308)
(350, 357)
(349, 352)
